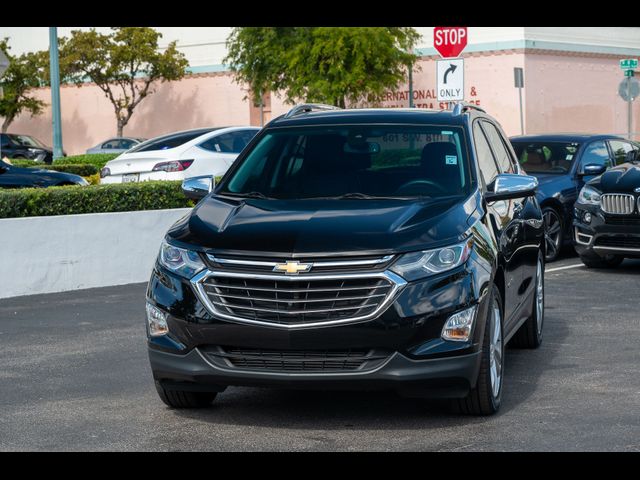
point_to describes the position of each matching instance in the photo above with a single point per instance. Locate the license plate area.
(130, 177)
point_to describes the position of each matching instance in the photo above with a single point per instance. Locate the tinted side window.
(486, 162)
(620, 150)
(596, 153)
(497, 143)
(232, 142)
(124, 143)
(111, 144)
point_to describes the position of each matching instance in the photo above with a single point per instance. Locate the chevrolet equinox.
(353, 249)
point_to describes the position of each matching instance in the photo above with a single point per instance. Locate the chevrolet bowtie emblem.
(292, 268)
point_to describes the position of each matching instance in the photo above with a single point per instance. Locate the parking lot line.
(563, 268)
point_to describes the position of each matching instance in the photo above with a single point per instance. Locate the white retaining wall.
(69, 252)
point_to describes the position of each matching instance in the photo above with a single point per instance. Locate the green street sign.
(628, 73)
(629, 64)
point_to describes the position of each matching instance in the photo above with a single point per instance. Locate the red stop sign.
(449, 41)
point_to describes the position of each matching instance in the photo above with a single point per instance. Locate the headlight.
(35, 150)
(185, 263)
(589, 196)
(105, 172)
(416, 265)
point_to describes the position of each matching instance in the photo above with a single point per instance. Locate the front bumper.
(436, 378)
(606, 235)
(416, 361)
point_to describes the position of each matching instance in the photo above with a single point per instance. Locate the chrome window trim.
(337, 263)
(397, 283)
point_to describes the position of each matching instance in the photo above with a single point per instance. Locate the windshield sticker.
(569, 156)
(451, 160)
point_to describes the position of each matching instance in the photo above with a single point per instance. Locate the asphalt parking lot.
(75, 376)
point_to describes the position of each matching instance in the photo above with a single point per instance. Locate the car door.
(526, 214)
(500, 216)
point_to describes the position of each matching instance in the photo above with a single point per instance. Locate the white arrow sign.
(450, 83)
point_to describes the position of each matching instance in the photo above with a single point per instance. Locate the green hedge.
(97, 159)
(31, 202)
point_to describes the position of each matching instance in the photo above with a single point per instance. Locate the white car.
(191, 153)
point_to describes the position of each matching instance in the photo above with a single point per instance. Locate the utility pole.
(55, 92)
(518, 75)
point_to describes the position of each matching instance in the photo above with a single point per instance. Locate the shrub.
(97, 159)
(69, 200)
(84, 170)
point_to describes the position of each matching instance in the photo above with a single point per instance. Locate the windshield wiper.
(259, 195)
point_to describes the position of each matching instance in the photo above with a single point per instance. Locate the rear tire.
(183, 399)
(529, 335)
(486, 396)
(610, 261)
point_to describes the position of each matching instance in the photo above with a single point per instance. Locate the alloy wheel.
(552, 234)
(495, 350)
(539, 297)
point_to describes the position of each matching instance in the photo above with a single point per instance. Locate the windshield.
(546, 157)
(354, 161)
(28, 141)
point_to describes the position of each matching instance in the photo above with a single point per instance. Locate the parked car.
(558, 161)
(358, 249)
(607, 216)
(13, 145)
(16, 177)
(116, 145)
(204, 151)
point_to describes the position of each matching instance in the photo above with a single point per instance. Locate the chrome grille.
(296, 301)
(617, 203)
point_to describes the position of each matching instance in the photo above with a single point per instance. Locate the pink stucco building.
(571, 84)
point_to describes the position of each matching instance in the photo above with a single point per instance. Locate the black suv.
(353, 249)
(607, 216)
(25, 146)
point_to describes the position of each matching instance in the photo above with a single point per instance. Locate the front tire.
(595, 261)
(529, 335)
(486, 396)
(183, 399)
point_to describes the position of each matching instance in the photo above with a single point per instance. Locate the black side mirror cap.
(592, 169)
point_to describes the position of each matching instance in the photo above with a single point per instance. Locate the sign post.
(518, 74)
(450, 42)
(629, 89)
(55, 93)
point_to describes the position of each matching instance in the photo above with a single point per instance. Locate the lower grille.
(297, 360)
(617, 203)
(622, 221)
(302, 300)
(618, 242)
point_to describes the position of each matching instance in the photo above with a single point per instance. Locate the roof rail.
(308, 107)
(461, 107)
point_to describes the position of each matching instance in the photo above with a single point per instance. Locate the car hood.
(321, 227)
(620, 179)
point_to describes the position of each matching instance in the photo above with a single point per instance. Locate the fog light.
(459, 326)
(587, 217)
(156, 321)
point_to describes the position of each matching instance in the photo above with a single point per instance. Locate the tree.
(20, 78)
(125, 64)
(336, 65)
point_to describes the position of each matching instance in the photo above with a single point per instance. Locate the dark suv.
(353, 249)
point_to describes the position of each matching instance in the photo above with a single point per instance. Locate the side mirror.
(592, 169)
(508, 185)
(196, 188)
